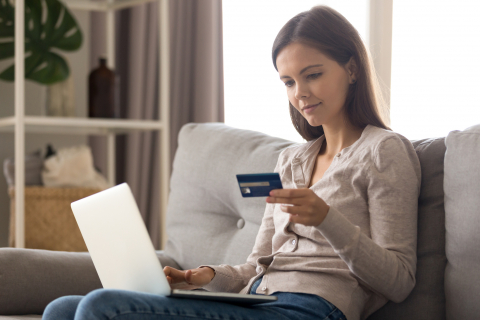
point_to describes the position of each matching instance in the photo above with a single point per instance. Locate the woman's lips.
(310, 109)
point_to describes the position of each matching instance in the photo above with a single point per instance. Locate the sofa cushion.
(30, 279)
(427, 300)
(462, 213)
(208, 221)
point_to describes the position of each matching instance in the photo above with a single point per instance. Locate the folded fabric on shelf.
(33, 169)
(72, 167)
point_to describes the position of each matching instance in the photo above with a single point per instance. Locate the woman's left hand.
(306, 207)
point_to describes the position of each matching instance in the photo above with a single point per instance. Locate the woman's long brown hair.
(328, 31)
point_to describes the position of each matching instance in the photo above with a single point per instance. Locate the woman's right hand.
(188, 279)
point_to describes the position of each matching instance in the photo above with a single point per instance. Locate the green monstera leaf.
(58, 30)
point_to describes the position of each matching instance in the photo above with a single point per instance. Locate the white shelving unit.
(20, 123)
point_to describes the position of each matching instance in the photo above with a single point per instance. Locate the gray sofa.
(210, 223)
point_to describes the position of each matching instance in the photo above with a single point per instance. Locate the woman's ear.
(351, 68)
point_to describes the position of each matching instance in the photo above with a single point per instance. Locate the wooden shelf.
(92, 126)
(22, 124)
(102, 5)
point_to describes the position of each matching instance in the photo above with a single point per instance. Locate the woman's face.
(316, 85)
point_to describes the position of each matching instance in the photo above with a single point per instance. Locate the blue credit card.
(258, 184)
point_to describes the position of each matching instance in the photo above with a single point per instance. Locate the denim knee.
(94, 303)
(62, 308)
(109, 303)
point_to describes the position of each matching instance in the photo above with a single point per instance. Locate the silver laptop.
(122, 251)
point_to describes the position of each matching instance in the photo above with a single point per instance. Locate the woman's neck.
(339, 137)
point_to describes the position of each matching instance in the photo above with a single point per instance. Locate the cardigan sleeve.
(386, 261)
(235, 278)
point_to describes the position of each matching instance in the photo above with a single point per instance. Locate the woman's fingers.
(294, 201)
(304, 216)
(167, 271)
(175, 275)
(290, 193)
(293, 210)
(304, 206)
(289, 196)
(188, 279)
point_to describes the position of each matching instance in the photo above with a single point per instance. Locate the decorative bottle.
(103, 92)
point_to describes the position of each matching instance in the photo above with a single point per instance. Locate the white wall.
(34, 105)
(435, 67)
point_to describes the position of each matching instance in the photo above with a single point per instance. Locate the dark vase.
(103, 92)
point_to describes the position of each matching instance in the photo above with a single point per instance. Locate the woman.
(340, 240)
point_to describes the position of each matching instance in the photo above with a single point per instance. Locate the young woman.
(340, 240)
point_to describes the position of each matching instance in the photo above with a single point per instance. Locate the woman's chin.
(314, 123)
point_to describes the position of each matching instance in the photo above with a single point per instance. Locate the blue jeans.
(129, 305)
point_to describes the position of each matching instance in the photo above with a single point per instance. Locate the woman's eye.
(313, 76)
(289, 83)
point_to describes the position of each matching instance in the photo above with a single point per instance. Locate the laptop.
(123, 253)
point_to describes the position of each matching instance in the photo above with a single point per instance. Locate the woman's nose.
(301, 92)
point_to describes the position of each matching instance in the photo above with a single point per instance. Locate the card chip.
(246, 190)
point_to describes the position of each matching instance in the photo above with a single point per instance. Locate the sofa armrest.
(30, 278)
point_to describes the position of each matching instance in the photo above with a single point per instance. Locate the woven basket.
(49, 220)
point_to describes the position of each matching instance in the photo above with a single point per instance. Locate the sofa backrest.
(208, 221)
(462, 221)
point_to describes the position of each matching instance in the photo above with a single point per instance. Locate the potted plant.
(49, 26)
